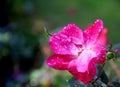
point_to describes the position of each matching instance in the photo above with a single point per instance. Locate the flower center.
(82, 48)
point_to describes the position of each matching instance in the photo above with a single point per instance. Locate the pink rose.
(103, 37)
(78, 51)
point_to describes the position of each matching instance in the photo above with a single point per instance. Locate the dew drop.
(55, 43)
(69, 40)
(57, 37)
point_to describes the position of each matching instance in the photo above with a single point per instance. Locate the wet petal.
(64, 42)
(92, 32)
(59, 62)
(103, 39)
(74, 33)
(84, 59)
(84, 77)
(100, 52)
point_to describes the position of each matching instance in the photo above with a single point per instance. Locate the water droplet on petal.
(65, 47)
(56, 43)
(57, 37)
(69, 40)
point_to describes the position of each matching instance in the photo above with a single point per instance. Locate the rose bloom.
(78, 51)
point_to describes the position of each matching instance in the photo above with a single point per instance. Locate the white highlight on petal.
(84, 59)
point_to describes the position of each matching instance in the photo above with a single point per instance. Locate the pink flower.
(103, 37)
(78, 51)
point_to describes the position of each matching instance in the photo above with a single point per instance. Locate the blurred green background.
(24, 43)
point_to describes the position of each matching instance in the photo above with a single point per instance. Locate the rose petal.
(59, 62)
(64, 42)
(85, 77)
(101, 53)
(84, 59)
(92, 32)
(74, 33)
(102, 39)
